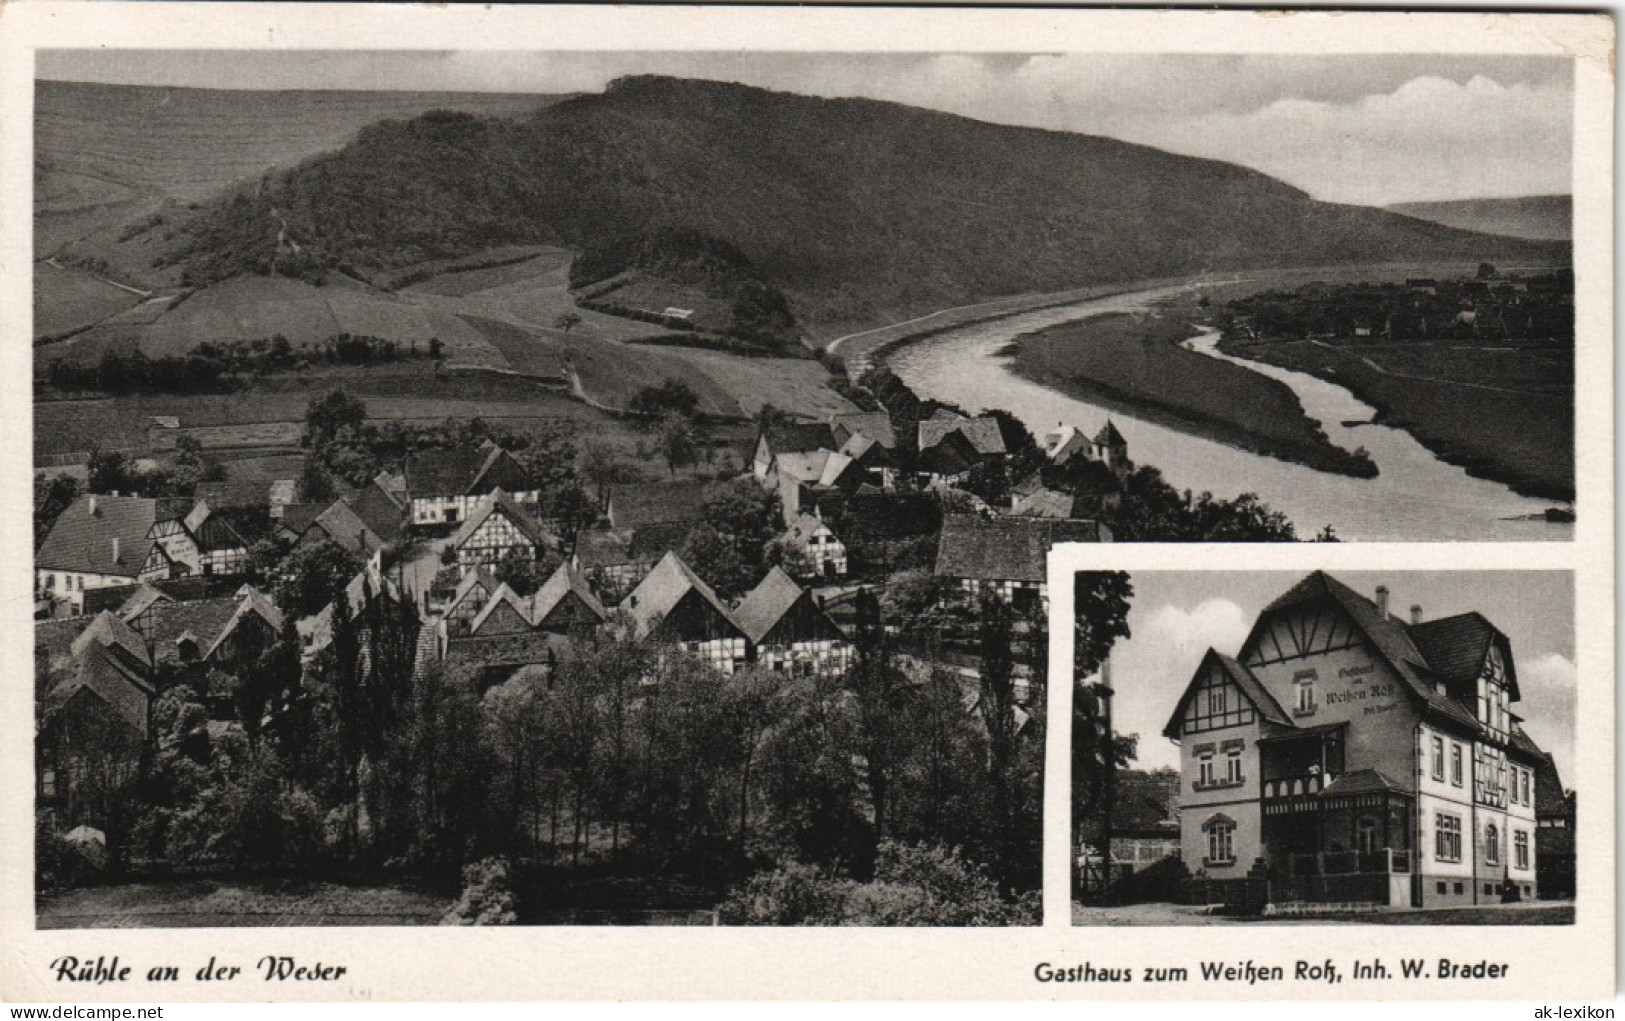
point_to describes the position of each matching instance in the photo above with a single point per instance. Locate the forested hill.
(855, 209)
(1545, 217)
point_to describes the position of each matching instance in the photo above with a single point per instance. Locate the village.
(207, 633)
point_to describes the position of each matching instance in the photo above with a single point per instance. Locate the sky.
(1363, 129)
(1176, 616)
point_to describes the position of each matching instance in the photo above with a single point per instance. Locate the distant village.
(1488, 307)
(770, 569)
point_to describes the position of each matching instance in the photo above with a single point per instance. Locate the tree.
(677, 441)
(1154, 511)
(672, 397)
(436, 348)
(331, 417)
(315, 485)
(110, 471)
(567, 321)
(313, 575)
(52, 495)
(569, 509)
(1101, 602)
(997, 706)
(1486, 271)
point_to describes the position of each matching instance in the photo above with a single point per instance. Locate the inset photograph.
(1373, 747)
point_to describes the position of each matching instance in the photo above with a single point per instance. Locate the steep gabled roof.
(204, 620)
(141, 600)
(559, 586)
(950, 455)
(664, 586)
(793, 437)
(805, 526)
(982, 434)
(603, 548)
(296, 517)
(766, 604)
(462, 471)
(211, 530)
(1388, 636)
(876, 425)
(1251, 687)
(479, 577)
(80, 540)
(1455, 648)
(250, 602)
(635, 504)
(503, 596)
(341, 524)
(97, 674)
(380, 510)
(1109, 436)
(108, 631)
(499, 501)
(1006, 548)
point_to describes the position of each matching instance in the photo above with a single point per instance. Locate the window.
(1492, 845)
(1221, 842)
(1365, 835)
(1438, 757)
(1440, 886)
(1305, 685)
(1520, 849)
(1232, 766)
(1526, 792)
(1455, 763)
(1215, 699)
(1461, 888)
(1204, 771)
(1446, 837)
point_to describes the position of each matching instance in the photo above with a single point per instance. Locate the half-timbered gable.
(789, 631)
(565, 602)
(506, 614)
(499, 530)
(673, 604)
(444, 486)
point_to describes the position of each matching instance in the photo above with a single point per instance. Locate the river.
(1415, 496)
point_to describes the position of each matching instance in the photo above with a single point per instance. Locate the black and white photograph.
(1331, 747)
(615, 488)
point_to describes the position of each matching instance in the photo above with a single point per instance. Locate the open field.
(799, 385)
(1134, 362)
(72, 299)
(1502, 415)
(1158, 913)
(208, 903)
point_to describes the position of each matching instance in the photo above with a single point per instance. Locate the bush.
(792, 894)
(488, 896)
(1159, 881)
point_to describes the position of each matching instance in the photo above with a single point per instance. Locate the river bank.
(1523, 439)
(1135, 362)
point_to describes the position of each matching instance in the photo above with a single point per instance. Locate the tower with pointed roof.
(1111, 448)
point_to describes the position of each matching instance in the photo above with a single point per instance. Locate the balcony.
(1296, 786)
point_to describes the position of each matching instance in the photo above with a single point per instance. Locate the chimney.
(115, 549)
(92, 504)
(1382, 601)
(1416, 614)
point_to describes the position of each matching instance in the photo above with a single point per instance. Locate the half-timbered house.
(499, 529)
(672, 604)
(789, 631)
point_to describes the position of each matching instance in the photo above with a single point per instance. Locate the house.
(789, 631)
(472, 593)
(1352, 756)
(876, 425)
(94, 717)
(872, 460)
(339, 524)
(221, 550)
(565, 602)
(224, 631)
(883, 530)
(369, 584)
(442, 487)
(505, 613)
(380, 509)
(1555, 859)
(99, 541)
(982, 433)
(1144, 826)
(1006, 556)
(776, 438)
(498, 529)
(949, 461)
(672, 604)
(635, 504)
(1079, 488)
(818, 552)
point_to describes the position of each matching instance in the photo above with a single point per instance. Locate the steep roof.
(204, 620)
(82, 540)
(1388, 636)
(664, 586)
(503, 596)
(876, 425)
(766, 604)
(479, 577)
(496, 501)
(342, 525)
(97, 674)
(296, 517)
(1006, 548)
(1361, 781)
(603, 548)
(790, 437)
(141, 600)
(1251, 687)
(459, 471)
(559, 585)
(1455, 647)
(805, 526)
(379, 509)
(108, 631)
(983, 433)
(952, 454)
(211, 530)
(636, 504)
(1109, 436)
(250, 602)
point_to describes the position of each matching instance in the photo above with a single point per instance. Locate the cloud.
(1548, 685)
(1151, 669)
